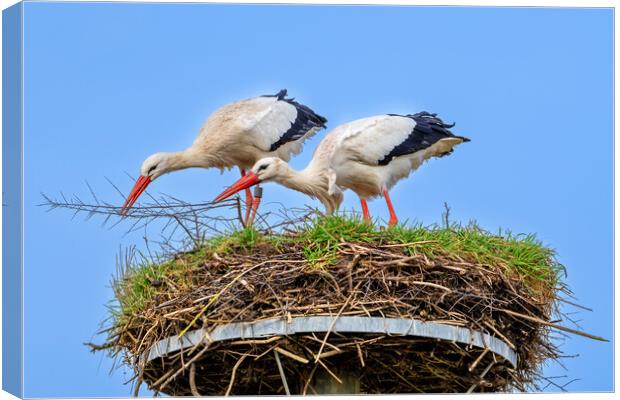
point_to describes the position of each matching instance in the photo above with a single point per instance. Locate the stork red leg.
(365, 210)
(393, 217)
(248, 201)
(258, 195)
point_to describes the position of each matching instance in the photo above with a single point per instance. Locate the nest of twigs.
(458, 276)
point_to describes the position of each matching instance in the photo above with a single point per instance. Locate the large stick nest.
(247, 277)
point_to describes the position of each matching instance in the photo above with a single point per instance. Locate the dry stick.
(192, 381)
(164, 376)
(409, 244)
(189, 234)
(475, 363)
(575, 305)
(291, 355)
(482, 375)
(331, 326)
(327, 354)
(257, 341)
(146, 335)
(214, 298)
(261, 355)
(284, 383)
(361, 356)
(330, 372)
(422, 284)
(136, 390)
(309, 379)
(352, 264)
(559, 327)
(171, 378)
(313, 337)
(498, 333)
(238, 207)
(234, 371)
(332, 353)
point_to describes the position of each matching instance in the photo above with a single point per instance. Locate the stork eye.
(262, 167)
(152, 169)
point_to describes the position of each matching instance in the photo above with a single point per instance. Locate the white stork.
(238, 134)
(367, 156)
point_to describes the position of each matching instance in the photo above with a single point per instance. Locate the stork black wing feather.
(428, 130)
(305, 120)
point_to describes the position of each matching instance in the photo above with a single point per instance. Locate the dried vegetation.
(505, 285)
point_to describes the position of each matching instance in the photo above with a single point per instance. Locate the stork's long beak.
(138, 188)
(245, 182)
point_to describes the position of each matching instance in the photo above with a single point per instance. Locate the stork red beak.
(138, 188)
(245, 182)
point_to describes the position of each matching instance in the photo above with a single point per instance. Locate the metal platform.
(343, 324)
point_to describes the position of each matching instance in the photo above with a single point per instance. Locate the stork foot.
(393, 217)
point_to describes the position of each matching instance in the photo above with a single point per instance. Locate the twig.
(192, 381)
(575, 305)
(216, 296)
(408, 244)
(331, 326)
(284, 383)
(559, 327)
(291, 355)
(309, 379)
(136, 389)
(482, 375)
(498, 333)
(360, 355)
(171, 378)
(475, 363)
(257, 341)
(234, 371)
(329, 371)
(446, 215)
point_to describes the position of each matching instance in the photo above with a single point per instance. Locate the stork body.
(238, 135)
(368, 156)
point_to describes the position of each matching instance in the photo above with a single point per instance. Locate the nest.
(229, 281)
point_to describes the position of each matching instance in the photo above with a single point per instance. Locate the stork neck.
(312, 183)
(189, 158)
(303, 181)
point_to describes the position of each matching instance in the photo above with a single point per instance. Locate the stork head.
(265, 169)
(152, 168)
(269, 168)
(155, 165)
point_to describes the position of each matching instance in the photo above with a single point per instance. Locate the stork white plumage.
(238, 134)
(367, 156)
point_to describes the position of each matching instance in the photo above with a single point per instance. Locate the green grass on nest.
(520, 254)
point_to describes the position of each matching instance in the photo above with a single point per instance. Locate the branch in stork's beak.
(245, 182)
(139, 187)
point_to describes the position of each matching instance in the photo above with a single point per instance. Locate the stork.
(367, 156)
(238, 134)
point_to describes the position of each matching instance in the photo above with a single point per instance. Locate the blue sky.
(108, 84)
